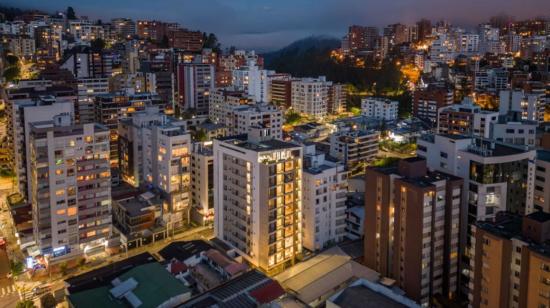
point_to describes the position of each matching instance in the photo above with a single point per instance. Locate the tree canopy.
(70, 13)
(211, 41)
(25, 304)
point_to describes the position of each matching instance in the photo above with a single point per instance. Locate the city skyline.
(268, 25)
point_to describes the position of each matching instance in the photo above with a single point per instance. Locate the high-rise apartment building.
(154, 30)
(497, 177)
(337, 97)
(70, 186)
(280, 90)
(324, 204)
(427, 101)
(541, 198)
(186, 39)
(222, 103)
(196, 81)
(132, 83)
(202, 183)
(253, 80)
(530, 105)
(465, 118)
(32, 101)
(361, 38)
(82, 62)
(155, 150)
(258, 198)
(235, 110)
(123, 28)
(412, 228)
(22, 46)
(87, 89)
(379, 108)
(355, 147)
(111, 107)
(510, 262)
(310, 96)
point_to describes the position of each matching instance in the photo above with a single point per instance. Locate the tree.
(292, 118)
(164, 43)
(70, 13)
(16, 267)
(12, 60)
(25, 304)
(211, 41)
(63, 267)
(200, 135)
(82, 262)
(48, 301)
(97, 45)
(12, 73)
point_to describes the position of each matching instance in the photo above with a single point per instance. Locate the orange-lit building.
(510, 262)
(412, 228)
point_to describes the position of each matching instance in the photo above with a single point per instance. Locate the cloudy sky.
(271, 24)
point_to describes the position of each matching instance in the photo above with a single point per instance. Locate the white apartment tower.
(258, 198)
(311, 96)
(324, 205)
(379, 108)
(253, 80)
(202, 183)
(155, 149)
(70, 186)
(195, 83)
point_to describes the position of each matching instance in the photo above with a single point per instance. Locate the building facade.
(412, 221)
(258, 198)
(70, 186)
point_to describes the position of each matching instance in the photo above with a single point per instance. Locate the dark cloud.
(269, 24)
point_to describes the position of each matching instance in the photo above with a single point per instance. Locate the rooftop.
(250, 289)
(182, 250)
(140, 205)
(323, 274)
(543, 155)
(155, 285)
(261, 146)
(362, 297)
(104, 275)
(488, 148)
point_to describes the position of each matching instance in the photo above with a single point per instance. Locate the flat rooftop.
(261, 146)
(155, 285)
(362, 297)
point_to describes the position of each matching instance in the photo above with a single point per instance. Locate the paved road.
(192, 234)
(9, 296)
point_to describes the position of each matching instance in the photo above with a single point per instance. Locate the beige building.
(355, 147)
(258, 198)
(541, 199)
(311, 96)
(202, 183)
(70, 186)
(324, 204)
(155, 150)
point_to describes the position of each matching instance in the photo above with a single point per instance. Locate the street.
(8, 291)
(11, 292)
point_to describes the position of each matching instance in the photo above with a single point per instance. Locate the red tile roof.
(177, 267)
(268, 293)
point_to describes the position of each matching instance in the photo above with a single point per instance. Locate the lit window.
(71, 211)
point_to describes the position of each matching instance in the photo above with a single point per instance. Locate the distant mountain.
(286, 59)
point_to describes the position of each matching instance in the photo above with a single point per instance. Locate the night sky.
(271, 24)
